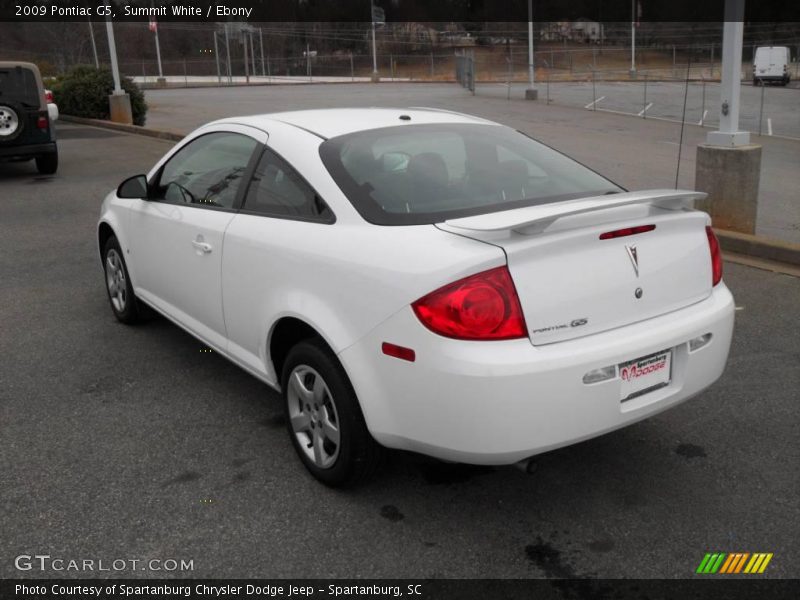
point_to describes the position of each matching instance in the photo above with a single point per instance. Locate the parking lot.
(131, 442)
(636, 153)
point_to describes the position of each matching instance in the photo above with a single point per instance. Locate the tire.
(321, 405)
(47, 164)
(12, 122)
(118, 284)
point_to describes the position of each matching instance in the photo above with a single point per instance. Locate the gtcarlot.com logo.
(45, 562)
(728, 563)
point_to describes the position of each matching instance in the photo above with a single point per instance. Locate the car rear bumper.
(26, 150)
(502, 402)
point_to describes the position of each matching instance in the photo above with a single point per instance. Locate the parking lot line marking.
(769, 126)
(644, 110)
(593, 102)
(703, 118)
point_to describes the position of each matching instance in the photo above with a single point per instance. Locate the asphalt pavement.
(122, 442)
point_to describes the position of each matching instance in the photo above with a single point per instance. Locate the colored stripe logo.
(734, 562)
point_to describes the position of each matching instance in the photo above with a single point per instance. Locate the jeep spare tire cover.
(11, 123)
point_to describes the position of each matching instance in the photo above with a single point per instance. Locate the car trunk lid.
(572, 283)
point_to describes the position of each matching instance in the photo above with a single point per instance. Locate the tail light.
(716, 257)
(41, 122)
(48, 95)
(484, 306)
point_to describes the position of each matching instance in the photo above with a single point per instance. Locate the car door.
(176, 235)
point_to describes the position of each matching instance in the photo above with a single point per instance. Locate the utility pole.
(228, 54)
(530, 93)
(119, 102)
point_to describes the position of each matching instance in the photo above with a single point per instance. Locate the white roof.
(333, 122)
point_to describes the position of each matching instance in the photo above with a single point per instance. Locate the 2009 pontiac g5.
(423, 280)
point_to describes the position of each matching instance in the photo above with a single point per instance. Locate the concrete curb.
(730, 241)
(761, 247)
(154, 133)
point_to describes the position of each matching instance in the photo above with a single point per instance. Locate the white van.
(771, 64)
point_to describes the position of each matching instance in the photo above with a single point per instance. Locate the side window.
(208, 170)
(278, 190)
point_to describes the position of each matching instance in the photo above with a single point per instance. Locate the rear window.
(18, 84)
(420, 174)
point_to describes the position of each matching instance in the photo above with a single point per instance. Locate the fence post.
(712, 60)
(594, 93)
(352, 71)
(761, 110)
(391, 66)
(432, 71)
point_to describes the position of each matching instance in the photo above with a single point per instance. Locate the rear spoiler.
(542, 216)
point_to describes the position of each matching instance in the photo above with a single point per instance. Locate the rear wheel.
(324, 418)
(47, 164)
(118, 283)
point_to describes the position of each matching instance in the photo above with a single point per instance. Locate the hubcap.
(312, 413)
(115, 280)
(8, 121)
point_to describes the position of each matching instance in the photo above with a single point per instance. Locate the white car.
(423, 280)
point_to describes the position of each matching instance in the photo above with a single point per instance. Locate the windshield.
(417, 174)
(18, 84)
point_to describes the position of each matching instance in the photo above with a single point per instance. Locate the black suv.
(25, 128)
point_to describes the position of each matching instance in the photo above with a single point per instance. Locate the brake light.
(48, 96)
(617, 233)
(716, 257)
(41, 122)
(484, 306)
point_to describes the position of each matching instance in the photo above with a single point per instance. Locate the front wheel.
(118, 283)
(324, 418)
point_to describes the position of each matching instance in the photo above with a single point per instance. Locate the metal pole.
(728, 133)
(761, 110)
(374, 47)
(94, 46)
(158, 53)
(633, 38)
(228, 54)
(112, 51)
(261, 37)
(431, 66)
(254, 71)
(531, 73)
(185, 75)
(712, 59)
(594, 93)
(352, 71)
(246, 63)
(216, 58)
(703, 106)
(308, 62)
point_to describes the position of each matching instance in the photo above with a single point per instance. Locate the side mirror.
(133, 187)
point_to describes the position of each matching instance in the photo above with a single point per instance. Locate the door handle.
(203, 247)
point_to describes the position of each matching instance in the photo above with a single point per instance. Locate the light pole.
(530, 93)
(119, 103)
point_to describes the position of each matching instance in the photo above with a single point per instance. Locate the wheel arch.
(285, 333)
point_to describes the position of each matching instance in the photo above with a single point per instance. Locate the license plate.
(645, 374)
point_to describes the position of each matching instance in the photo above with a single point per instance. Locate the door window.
(207, 171)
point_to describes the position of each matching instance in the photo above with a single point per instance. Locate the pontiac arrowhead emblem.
(632, 254)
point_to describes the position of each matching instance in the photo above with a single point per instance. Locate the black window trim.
(265, 148)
